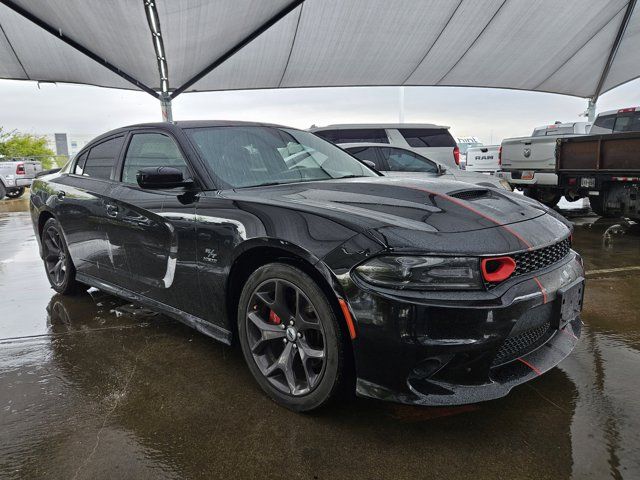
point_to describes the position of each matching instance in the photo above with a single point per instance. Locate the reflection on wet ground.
(91, 387)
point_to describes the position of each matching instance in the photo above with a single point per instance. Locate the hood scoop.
(470, 195)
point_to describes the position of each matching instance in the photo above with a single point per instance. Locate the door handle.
(61, 194)
(112, 210)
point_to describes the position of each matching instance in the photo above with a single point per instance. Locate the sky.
(490, 114)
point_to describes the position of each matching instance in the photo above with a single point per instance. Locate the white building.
(67, 144)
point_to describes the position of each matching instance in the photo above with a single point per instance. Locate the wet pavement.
(91, 387)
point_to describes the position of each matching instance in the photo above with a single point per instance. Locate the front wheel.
(60, 270)
(16, 192)
(290, 337)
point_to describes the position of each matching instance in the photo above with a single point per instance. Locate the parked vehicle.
(617, 121)
(529, 163)
(606, 168)
(400, 162)
(324, 271)
(16, 175)
(432, 141)
(485, 159)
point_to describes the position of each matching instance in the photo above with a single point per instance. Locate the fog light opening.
(497, 269)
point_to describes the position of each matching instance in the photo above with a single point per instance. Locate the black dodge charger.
(330, 276)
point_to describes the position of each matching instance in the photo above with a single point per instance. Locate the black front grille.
(534, 260)
(521, 344)
(470, 195)
(537, 259)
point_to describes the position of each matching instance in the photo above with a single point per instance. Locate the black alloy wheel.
(289, 337)
(60, 270)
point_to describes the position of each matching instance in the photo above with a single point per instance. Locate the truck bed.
(615, 153)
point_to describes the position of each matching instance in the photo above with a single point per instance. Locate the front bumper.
(453, 349)
(539, 178)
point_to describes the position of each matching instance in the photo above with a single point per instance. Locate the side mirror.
(369, 164)
(441, 169)
(161, 177)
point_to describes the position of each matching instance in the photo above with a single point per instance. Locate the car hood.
(451, 174)
(375, 203)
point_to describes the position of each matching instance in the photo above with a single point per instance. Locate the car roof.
(348, 126)
(169, 126)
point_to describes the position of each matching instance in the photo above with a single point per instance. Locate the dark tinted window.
(355, 135)
(367, 153)
(606, 121)
(428, 137)
(405, 161)
(151, 150)
(79, 166)
(102, 158)
(627, 122)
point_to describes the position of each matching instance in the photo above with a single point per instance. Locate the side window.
(605, 122)
(355, 135)
(151, 150)
(427, 137)
(368, 153)
(405, 161)
(79, 164)
(102, 158)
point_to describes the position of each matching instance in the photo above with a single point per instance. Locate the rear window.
(101, 159)
(627, 122)
(428, 137)
(355, 135)
(552, 132)
(605, 121)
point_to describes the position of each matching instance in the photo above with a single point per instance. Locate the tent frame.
(166, 95)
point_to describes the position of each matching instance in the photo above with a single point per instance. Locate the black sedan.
(331, 277)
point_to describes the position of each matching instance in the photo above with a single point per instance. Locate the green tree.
(15, 144)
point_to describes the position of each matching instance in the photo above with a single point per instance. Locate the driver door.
(154, 230)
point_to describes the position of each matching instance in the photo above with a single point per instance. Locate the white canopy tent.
(166, 47)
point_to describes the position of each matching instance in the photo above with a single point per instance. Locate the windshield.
(248, 156)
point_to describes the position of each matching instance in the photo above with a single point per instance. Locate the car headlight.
(506, 185)
(421, 273)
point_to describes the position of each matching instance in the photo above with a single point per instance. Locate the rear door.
(81, 199)
(434, 143)
(153, 231)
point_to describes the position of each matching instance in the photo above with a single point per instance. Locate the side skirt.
(192, 321)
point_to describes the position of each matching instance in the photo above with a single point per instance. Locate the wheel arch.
(258, 252)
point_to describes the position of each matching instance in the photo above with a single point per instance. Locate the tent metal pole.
(614, 49)
(165, 106)
(591, 110)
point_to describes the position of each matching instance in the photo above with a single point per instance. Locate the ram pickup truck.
(484, 159)
(529, 163)
(16, 175)
(606, 168)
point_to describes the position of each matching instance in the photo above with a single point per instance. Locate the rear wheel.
(290, 337)
(60, 270)
(16, 193)
(3, 191)
(547, 197)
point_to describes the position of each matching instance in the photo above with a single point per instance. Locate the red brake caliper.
(273, 318)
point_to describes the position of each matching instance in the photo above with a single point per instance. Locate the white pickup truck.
(529, 163)
(484, 158)
(16, 175)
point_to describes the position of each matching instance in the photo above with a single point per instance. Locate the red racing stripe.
(542, 289)
(537, 372)
(460, 203)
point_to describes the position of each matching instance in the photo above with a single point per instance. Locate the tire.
(58, 265)
(16, 193)
(278, 365)
(597, 205)
(3, 191)
(544, 196)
